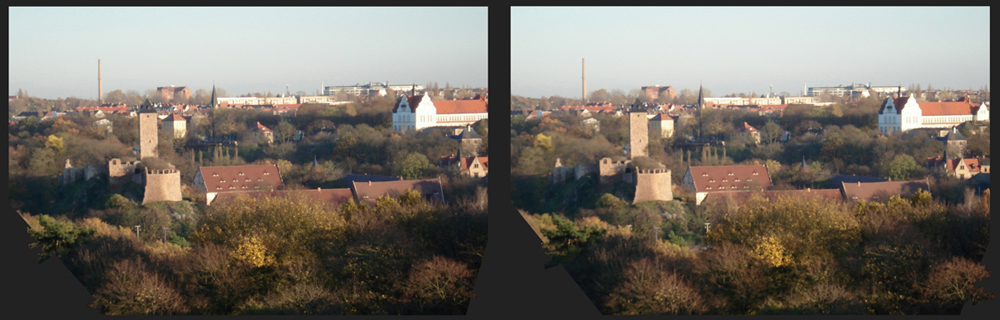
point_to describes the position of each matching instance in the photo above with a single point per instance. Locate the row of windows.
(237, 180)
(232, 187)
(724, 187)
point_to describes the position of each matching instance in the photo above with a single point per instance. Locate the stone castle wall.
(162, 185)
(652, 185)
(611, 171)
(120, 172)
(638, 134)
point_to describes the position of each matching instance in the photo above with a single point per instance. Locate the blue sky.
(746, 49)
(53, 52)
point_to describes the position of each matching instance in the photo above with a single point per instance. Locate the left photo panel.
(251, 161)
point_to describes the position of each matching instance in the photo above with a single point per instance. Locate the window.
(737, 180)
(704, 174)
(234, 180)
(749, 179)
(708, 188)
(222, 181)
(730, 173)
(725, 180)
(260, 179)
(722, 187)
(218, 188)
(215, 174)
(232, 187)
(712, 180)
(266, 173)
(244, 187)
(755, 173)
(746, 187)
(241, 173)
(256, 187)
(247, 180)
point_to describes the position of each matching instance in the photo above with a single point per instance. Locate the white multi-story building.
(419, 112)
(905, 113)
(854, 89)
(372, 88)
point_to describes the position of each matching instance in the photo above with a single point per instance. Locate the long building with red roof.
(905, 113)
(418, 112)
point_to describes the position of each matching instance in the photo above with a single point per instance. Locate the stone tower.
(147, 131)
(162, 185)
(638, 133)
(652, 185)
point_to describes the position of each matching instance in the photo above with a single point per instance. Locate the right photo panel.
(749, 161)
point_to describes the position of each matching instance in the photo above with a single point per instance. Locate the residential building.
(476, 167)
(662, 125)
(265, 133)
(175, 125)
(749, 133)
(961, 168)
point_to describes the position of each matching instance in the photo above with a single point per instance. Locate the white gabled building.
(418, 112)
(905, 113)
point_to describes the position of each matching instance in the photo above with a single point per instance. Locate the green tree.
(284, 131)
(902, 167)
(57, 237)
(771, 132)
(566, 239)
(413, 166)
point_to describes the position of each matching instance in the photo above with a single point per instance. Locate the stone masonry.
(147, 135)
(638, 134)
(162, 185)
(652, 184)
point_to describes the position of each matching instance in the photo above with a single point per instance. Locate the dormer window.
(234, 180)
(722, 187)
(712, 180)
(755, 173)
(241, 173)
(746, 187)
(708, 188)
(244, 187)
(218, 188)
(704, 174)
(725, 180)
(260, 179)
(266, 173)
(247, 180)
(215, 174)
(737, 179)
(232, 187)
(222, 181)
(730, 173)
(749, 179)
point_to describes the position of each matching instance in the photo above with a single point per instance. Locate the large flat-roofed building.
(419, 112)
(654, 92)
(905, 113)
(854, 89)
(372, 88)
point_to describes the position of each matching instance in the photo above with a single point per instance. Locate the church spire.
(214, 103)
(701, 97)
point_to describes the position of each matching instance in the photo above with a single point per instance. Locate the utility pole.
(137, 230)
(164, 234)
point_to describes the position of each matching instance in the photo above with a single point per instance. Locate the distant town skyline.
(744, 50)
(53, 52)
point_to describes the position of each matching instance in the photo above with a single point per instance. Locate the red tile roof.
(465, 162)
(174, 117)
(460, 106)
(333, 197)
(971, 163)
(369, 191)
(881, 190)
(240, 178)
(730, 178)
(961, 108)
(747, 127)
(261, 127)
(898, 103)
